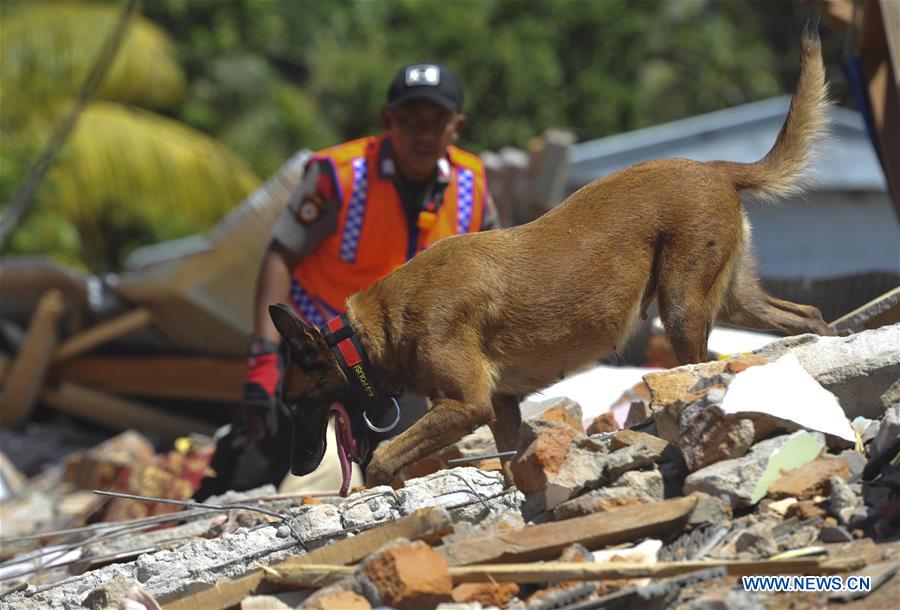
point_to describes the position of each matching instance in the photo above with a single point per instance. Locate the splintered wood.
(313, 575)
(546, 541)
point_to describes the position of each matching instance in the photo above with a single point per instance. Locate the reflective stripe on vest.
(356, 211)
(464, 205)
(304, 305)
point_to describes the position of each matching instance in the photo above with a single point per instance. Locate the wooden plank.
(27, 371)
(563, 571)
(120, 414)
(878, 312)
(316, 575)
(226, 593)
(185, 377)
(103, 332)
(547, 540)
(884, 90)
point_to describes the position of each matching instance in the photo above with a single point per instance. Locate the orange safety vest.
(373, 234)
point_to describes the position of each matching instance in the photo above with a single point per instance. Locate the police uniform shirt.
(313, 210)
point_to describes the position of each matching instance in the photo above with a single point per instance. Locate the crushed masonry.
(784, 461)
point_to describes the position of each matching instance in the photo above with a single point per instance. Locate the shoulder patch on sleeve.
(311, 208)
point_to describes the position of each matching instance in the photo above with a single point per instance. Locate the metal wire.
(127, 527)
(265, 511)
(478, 458)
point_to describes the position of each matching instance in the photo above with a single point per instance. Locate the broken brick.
(555, 462)
(669, 387)
(566, 412)
(742, 363)
(603, 423)
(410, 577)
(542, 451)
(486, 593)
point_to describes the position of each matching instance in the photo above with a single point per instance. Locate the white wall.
(826, 235)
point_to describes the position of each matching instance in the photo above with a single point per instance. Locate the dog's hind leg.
(687, 324)
(746, 304)
(693, 280)
(505, 428)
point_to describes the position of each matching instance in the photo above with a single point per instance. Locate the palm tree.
(128, 174)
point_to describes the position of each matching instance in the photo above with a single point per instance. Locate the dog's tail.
(783, 171)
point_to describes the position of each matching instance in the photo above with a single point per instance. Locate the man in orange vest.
(362, 209)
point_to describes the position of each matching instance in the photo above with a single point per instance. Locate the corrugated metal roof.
(744, 133)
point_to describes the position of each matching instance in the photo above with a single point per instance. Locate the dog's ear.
(289, 326)
(306, 345)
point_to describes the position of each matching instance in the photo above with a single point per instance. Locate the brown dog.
(481, 319)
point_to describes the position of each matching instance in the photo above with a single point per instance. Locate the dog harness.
(351, 357)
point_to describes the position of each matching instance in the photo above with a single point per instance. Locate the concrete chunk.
(744, 481)
(857, 369)
(318, 522)
(785, 392)
(376, 505)
(555, 462)
(809, 480)
(469, 494)
(888, 431)
(633, 487)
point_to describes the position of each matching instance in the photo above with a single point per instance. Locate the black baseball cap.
(431, 81)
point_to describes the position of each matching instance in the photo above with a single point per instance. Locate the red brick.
(742, 363)
(563, 414)
(605, 422)
(546, 454)
(668, 387)
(486, 593)
(411, 577)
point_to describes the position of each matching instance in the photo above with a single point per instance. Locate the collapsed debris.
(751, 465)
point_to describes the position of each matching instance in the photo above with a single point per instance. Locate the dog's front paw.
(377, 475)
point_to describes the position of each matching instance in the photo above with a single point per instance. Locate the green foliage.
(596, 66)
(267, 77)
(48, 49)
(126, 177)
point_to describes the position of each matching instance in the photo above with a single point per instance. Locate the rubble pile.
(782, 462)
